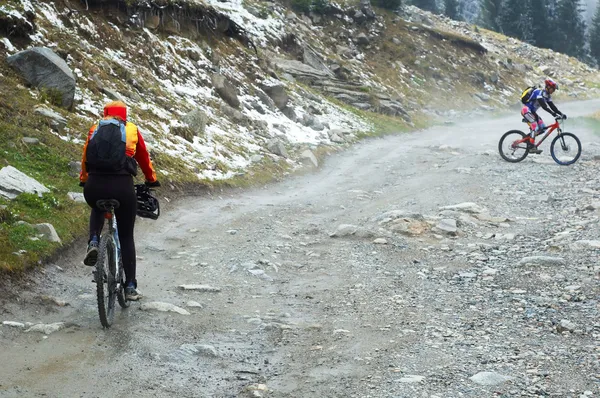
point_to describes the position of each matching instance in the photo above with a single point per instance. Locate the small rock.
(76, 197)
(14, 324)
(48, 232)
(543, 261)
(380, 241)
(344, 230)
(261, 274)
(448, 226)
(467, 207)
(565, 326)
(201, 288)
(194, 304)
(200, 349)
(164, 307)
(46, 328)
(30, 140)
(411, 379)
(489, 378)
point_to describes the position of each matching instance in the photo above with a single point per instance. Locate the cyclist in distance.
(540, 98)
(113, 149)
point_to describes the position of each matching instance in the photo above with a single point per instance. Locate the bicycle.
(109, 274)
(565, 147)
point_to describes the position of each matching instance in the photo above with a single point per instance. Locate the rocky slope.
(240, 90)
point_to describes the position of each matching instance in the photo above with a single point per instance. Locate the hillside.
(237, 92)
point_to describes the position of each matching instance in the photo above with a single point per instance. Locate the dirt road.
(499, 297)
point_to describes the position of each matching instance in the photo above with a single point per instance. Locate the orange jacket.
(135, 147)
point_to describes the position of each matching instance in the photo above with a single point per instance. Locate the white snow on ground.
(49, 11)
(259, 29)
(185, 84)
(8, 45)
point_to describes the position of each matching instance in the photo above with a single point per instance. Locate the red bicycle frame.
(548, 130)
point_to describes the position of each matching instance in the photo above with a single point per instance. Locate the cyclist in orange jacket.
(111, 153)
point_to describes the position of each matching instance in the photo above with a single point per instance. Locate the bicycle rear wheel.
(106, 267)
(509, 147)
(565, 149)
(121, 289)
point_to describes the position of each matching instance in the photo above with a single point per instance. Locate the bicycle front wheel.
(511, 147)
(565, 149)
(106, 267)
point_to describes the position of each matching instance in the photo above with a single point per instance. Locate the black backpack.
(106, 149)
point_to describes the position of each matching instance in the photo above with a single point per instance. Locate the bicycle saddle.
(107, 204)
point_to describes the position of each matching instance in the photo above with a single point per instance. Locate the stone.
(200, 349)
(76, 197)
(261, 274)
(152, 22)
(201, 288)
(184, 131)
(467, 207)
(163, 307)
(233, 114)
(362, 39)
(411, 379)
(13, 183)
(44, 69)
(276, 147)
(489, 378)
(380, 241)
(589, 244)
(289, 112)
(46, 328)
(30, 140)
(194, 304)
(313, 58)
(74, 168)
(225, 90)
(448, 225)
(278, 94)
(48, 232)
(113, 95)
(14, 324)
(543, 261)
(196, 120)
(265, 99)
(308, 158)
(566, 326)
(344, 230)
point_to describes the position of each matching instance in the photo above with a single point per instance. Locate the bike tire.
(500, 147)
(556, 140)
(106, 302)
(121, 291)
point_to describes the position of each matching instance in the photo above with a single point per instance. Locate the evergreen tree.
(489, 14)
(512, 19)
(542, 28)
(427, 5)
(451, 9)
(570, 29)
(595, 35)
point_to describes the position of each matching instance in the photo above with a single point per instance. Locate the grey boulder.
(43, 68)
(13, 183)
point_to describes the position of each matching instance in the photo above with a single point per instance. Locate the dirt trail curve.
(406, 299)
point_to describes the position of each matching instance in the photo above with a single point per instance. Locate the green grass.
(47, 162)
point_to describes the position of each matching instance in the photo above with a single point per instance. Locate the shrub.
(389, 4)
(302, 5)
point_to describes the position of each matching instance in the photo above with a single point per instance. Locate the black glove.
(153, 184)
(81, 184)
(564, 116)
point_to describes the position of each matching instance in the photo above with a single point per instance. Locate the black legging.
(119, 187)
